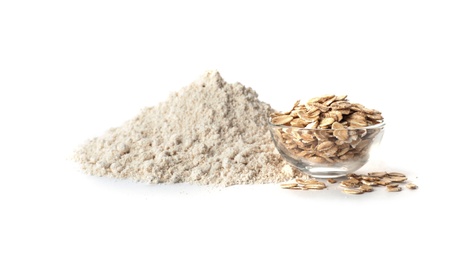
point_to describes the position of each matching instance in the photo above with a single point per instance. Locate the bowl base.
(328, 172)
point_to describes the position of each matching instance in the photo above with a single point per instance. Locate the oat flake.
(210, 132)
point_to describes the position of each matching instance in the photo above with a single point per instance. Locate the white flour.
(210, 132)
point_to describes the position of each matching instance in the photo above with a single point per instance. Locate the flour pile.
(209, 132)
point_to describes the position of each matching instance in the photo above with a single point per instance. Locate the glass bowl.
(326, 153)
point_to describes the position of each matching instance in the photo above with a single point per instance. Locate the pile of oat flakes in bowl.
(330, 137)
(327, 136)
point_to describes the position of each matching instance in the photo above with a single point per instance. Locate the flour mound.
(209, 132)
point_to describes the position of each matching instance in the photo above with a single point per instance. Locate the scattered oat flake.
(393, 189)
(366, 188)
(411, 186)
(317, 186)
(332, 181)
(353, 191)
(288, 185)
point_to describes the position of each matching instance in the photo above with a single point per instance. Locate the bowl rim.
(376, 126)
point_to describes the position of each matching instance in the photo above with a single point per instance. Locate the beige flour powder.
(210, 132)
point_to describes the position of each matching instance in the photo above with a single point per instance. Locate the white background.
(69, 70)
